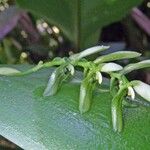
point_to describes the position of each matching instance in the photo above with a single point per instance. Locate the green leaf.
(36, 122)
(136, 66)
(117, 56)
(8, 20)
(8, 71)
(110, 67)
(80, 20)
(142, 89)
(129, 104)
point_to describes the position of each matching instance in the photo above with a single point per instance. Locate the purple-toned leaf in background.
(142, 20)
(8, 20)
(11, 17)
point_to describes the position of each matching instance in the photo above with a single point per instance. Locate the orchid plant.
(120, 86)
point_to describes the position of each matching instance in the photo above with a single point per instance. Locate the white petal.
(99, 77)
(109, 67)
(89, 51)
(143, 90)
(8, 71)
(131, 92)
(145, 61)
(92, 50)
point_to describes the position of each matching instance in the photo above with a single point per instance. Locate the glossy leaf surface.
(51, 123)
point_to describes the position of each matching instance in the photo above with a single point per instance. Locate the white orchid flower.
(142, 89)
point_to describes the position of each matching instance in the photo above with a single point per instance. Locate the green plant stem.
(116, 109)
(40, 66)
(113, 86)
(56, 62)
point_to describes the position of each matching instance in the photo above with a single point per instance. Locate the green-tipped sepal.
(86, 93)
(59, 75)
(116, 110)
(117, 56)
(88, 52)
(136, 66)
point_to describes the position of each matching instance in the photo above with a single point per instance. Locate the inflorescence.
(120, 86)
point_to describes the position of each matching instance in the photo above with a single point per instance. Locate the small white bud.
(99, 77)
(131, 92)
(40, 62)
(71, 69)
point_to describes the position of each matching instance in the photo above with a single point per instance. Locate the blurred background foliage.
(34, 30)
(80, 20)
(44, 30)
